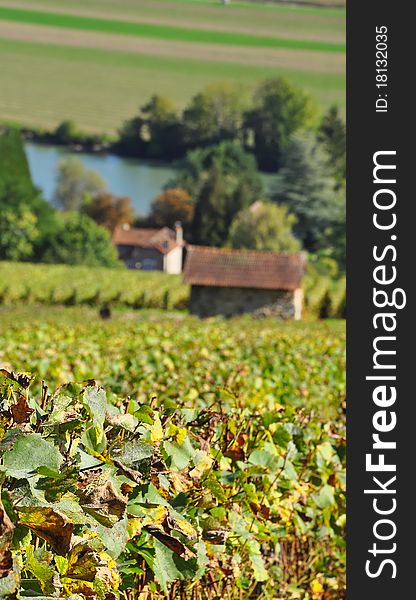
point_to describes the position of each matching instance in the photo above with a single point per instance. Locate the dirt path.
(288, 59)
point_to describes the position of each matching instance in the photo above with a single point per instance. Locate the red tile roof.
(221, 267)
(163, 240)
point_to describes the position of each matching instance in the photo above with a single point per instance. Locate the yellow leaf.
(180, 436)
(134, 527)
(107, 572)
(155, 516)
(317, 587)
(156, 430)
(48, 524)
(185, 528)
(202, 463)
(179, 482)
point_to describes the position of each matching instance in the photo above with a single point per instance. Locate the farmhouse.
(232, 282)
(150, 249)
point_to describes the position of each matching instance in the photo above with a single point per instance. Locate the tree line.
(262, 122)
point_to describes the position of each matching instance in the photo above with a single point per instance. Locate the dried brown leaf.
(21, 411)
(48, 524)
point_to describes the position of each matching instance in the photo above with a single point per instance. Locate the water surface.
(141, 180)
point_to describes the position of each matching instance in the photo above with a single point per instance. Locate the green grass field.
(162, 32)
(97, 61)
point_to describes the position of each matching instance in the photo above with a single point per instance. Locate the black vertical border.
(369, 132)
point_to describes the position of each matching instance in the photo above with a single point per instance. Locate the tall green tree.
(212, 216)
(162, 124)
(155, 132)
(21, 200)
(280, 109)
(221, 180)
(215, 114)
(66, 132)
(13, 161)
(264, 226)
(234, 162)
(78, 240)
(306, 188)
(332, 135)
(75, 184)
(16, 186)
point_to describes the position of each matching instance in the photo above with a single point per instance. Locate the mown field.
(131, 50)
(209, 465)
(26, 283)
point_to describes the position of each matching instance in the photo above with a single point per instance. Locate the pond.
(139, 179)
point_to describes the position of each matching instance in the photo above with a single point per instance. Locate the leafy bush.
(264, 226)
(106, 497)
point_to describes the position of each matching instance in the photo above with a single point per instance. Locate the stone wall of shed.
(210, 301)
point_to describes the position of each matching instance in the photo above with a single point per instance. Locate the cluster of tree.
(219, 196)
(263, 123)
(33, 230)
(218, 193)
(226, 136)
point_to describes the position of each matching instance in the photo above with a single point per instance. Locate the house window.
(149, 264)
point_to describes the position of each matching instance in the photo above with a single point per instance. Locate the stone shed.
(232, 282)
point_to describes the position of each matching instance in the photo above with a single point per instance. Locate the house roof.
(220, 267)
(163, 240)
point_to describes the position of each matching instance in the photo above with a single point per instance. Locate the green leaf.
(281, 436)
(202, 558)
(86, 461)
(63, 410)
(143, 414)
(215, 487)
(9, 585)
(94, 399)
(29, 453)
(94, 439)
(164, 566)
(324, 454)
(259, 569)
(265, 459)
(169, 567)
(70, 507)
(180, 455)
(133, 452)
(56, 485)
(38, 562)
(61, 564)
(326, 496)
(114, 538)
